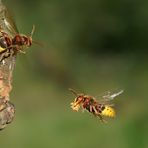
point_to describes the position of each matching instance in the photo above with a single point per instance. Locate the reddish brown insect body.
(21, 40)
(10, 46)
(90, 104)
(5, 41)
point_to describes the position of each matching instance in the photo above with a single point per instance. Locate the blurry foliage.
(88, 26)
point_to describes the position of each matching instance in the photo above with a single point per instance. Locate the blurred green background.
(91, 46)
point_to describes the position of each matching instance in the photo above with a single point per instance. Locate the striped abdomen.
(106, 110)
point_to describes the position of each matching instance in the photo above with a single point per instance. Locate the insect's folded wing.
(6, 21)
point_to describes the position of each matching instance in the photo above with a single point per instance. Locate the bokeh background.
(90, 46)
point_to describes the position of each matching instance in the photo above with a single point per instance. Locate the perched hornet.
(89, 103)
(11, 41)
(10, 46)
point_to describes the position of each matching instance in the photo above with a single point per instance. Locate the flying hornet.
(100, 108)
(11, 41)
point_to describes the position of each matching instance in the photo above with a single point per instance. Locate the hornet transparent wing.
(109, 95)
(7, 23)
(8, 26)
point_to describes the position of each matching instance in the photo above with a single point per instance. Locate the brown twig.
(7, 109)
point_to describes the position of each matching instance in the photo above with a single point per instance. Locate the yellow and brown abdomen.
(108, 111)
